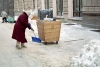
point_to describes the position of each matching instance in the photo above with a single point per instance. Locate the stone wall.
(91, 20)
(50, 3)
(20, 5)
(65, 9)
(91, 14)
(39, 3)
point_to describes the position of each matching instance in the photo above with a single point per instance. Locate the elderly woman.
(19, 29)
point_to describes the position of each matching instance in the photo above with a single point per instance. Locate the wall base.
(91, 20)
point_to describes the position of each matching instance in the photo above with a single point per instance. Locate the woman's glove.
(29, 24)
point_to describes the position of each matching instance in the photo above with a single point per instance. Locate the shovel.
(36, 39)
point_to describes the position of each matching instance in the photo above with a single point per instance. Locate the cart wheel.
(56, 42)
(45, 43)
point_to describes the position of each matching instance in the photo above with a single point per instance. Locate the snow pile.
(88, 57)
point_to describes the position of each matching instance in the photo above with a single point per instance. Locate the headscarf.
(27, 12)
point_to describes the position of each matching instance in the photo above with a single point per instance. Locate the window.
(46, 4)
(77, 8)
(59, 7)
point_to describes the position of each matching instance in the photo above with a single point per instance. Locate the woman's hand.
(32, 29)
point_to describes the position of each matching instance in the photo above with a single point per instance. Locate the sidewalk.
(72, 40)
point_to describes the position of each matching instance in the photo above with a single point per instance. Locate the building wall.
(19, 6)
(91, 14)
(65, 9)
(92, 6)
(50, 3)
(54, 8)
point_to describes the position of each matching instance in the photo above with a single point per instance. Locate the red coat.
(19, 28)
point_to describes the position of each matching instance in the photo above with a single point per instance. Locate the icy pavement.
(72, 40)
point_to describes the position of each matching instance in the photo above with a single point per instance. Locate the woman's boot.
(18, 45)
(23, 46)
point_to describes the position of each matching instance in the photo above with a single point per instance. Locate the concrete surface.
(72, 40)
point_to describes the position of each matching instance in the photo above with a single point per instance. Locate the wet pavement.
(72, 39)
